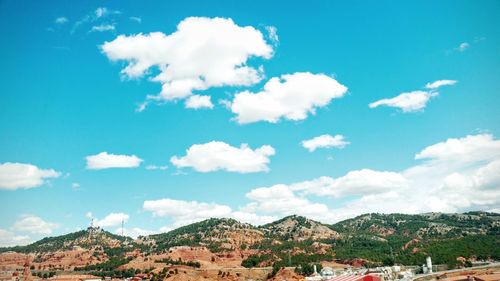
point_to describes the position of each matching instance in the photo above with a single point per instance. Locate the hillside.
(408, 239)
(369, 239)
(215, 234)
(90, 239)
(298, 228)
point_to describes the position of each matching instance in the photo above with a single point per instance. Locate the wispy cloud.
(413, 101)
(462, 47)
(97, 15)
(103, 28)
(135, 19)
(61, 20)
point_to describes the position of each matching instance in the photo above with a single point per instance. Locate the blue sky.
(64, 98)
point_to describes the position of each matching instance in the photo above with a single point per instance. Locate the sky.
(164, 113)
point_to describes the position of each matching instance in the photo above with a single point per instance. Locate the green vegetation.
(381, 239)
(110, 265)
(194, 235)
(179, 262)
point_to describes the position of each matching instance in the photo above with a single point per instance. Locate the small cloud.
(199, 101)
(154, 167)
(440, 83)
(225, 103)
(103, 28)
(105, 160)
(101, 12)
(61, 20)
(75, 186)
(272, 33)
(325, 141)
(89, 215)
(179, 173)
(135, 19)
(34, 224)
(462, 47)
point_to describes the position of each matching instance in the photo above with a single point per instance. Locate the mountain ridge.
(369, 238)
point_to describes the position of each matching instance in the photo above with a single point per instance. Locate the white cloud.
(272, 33)
(456, 175)
(202, 53)
(97, 15)
(103, 27)
(358, 182)
(462, 47)
(34, 224)
(135, 232)
(186, 212)
(101, 12)
(113, 219)
(325, 141)
(104, 160)
(136, 19)
(413, 101)
(291, 96)
(469, 149)
(61, 20)
(155, 167)
(19, 175)
(8, 239)
(216, 155)
(280, 199)
(198, 101)
(440, 83)
(408, 102)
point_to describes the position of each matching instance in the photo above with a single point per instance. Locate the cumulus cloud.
(104, 160)
(202, 53)
(357, 182)
(216, 155)
(9, 238)
(113, 219)
(455, 175)
(440, 83)
(325, 141)
(280, 199)
(185, 212)
(34, 224)
(198, 101)
(19, 175)
(291, 97)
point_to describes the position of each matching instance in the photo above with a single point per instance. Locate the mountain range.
(370, 239)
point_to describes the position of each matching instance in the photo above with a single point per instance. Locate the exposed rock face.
(224, 244)
(286, 274)
(299, 228)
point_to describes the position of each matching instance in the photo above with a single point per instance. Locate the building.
(368, 277)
